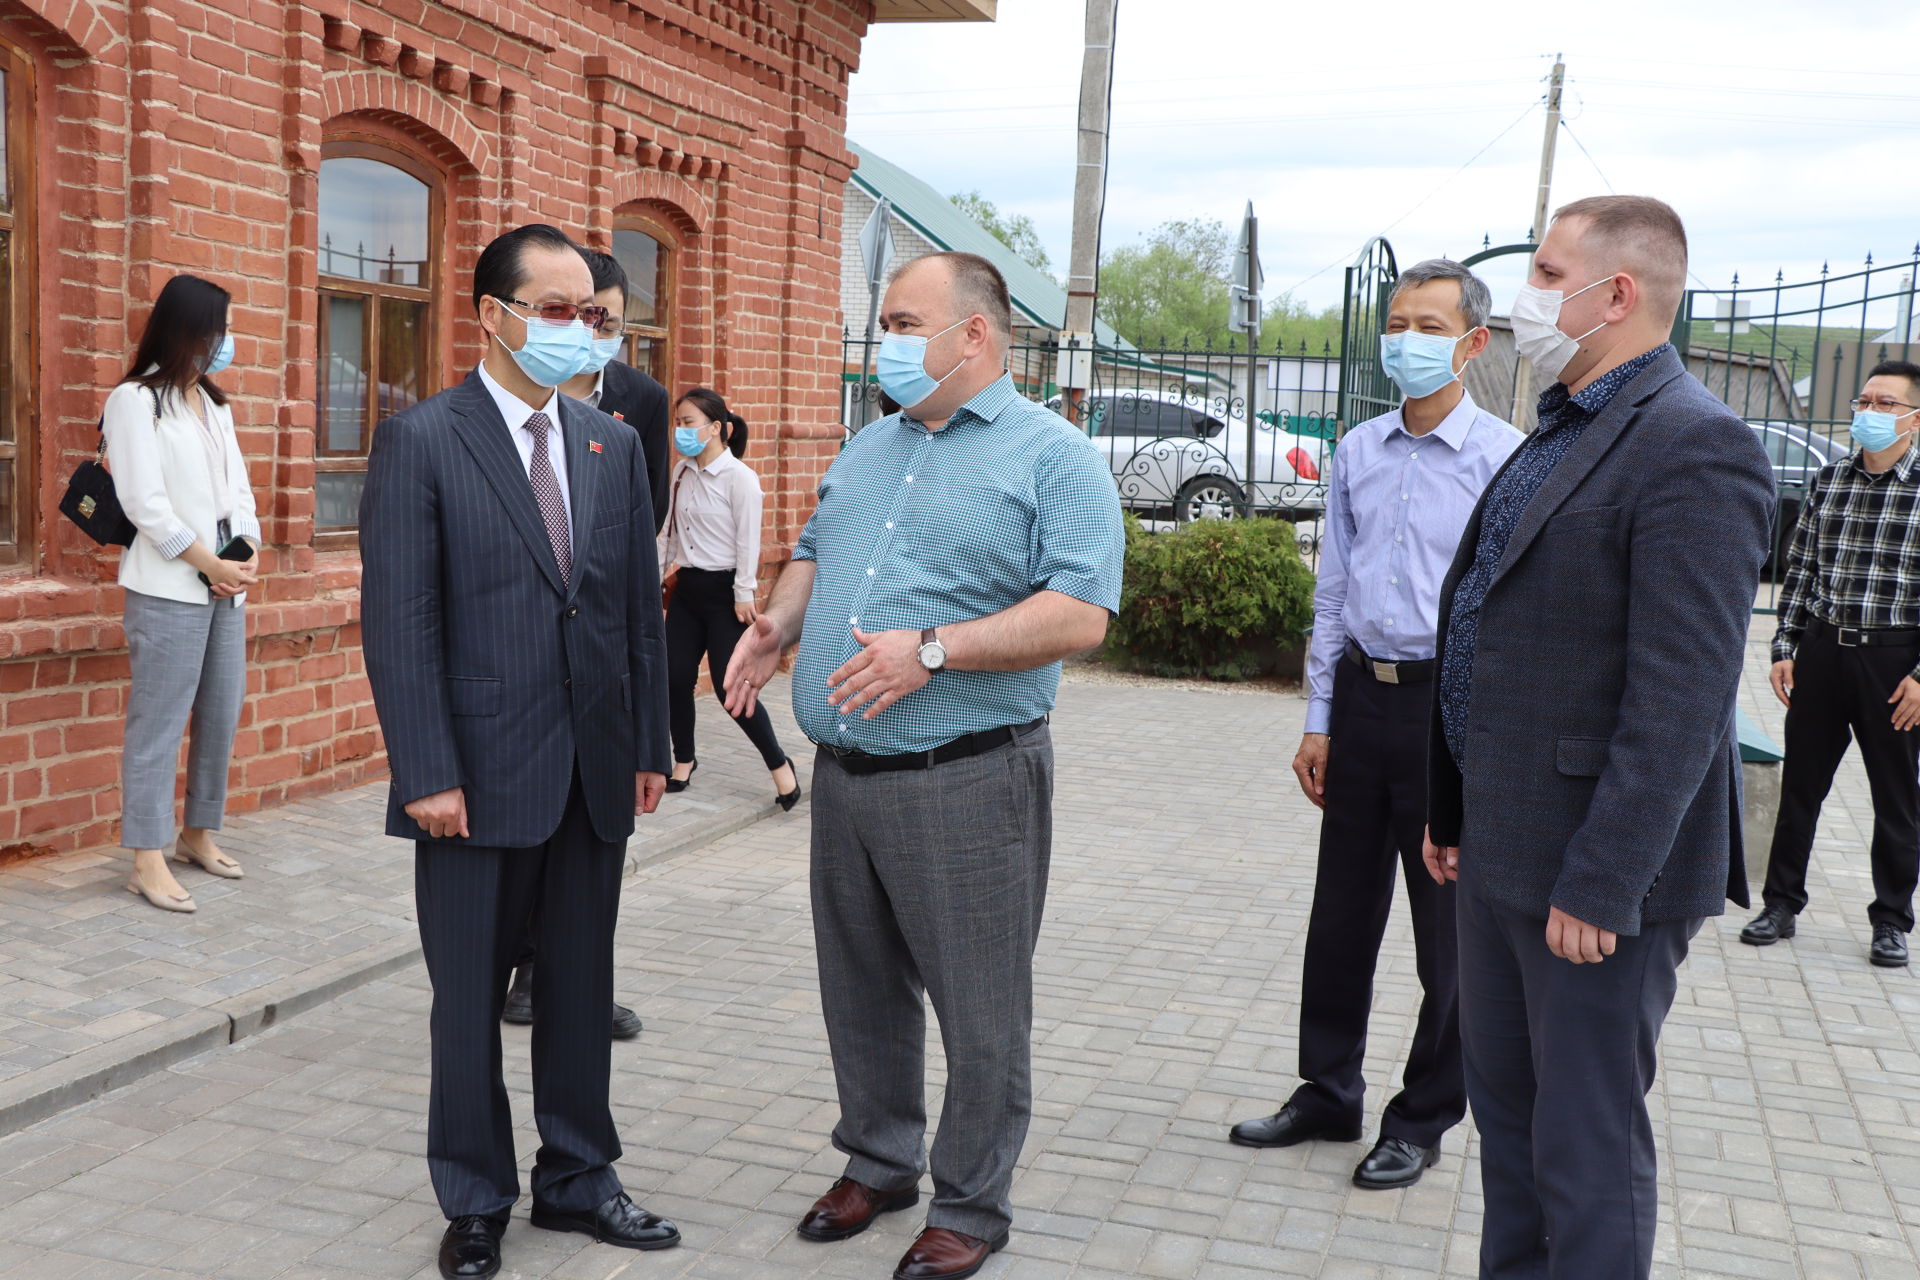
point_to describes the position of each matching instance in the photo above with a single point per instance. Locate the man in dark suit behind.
(1584, 773)
(634, 398)
(621, 390)
(511, 610)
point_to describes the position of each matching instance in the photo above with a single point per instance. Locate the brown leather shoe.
(850, 1208)
(940, 1254)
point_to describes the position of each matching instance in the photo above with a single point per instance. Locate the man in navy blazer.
(1584, 774)
(510, 603)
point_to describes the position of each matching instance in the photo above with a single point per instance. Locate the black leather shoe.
(626, 1023)
(470, 1250)
(1889, 947)
(681, 784)
(1289, 1125)
(1768, 927)
(1394, 1162)
(617, 1222)
(519, 1007)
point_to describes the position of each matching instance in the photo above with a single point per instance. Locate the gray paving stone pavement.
(99, 986)
(1167, 991)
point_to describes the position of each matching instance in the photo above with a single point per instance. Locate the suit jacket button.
(567, 683)
(573, 611)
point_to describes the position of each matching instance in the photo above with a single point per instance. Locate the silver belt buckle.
(1840, 638)
(1385, 672)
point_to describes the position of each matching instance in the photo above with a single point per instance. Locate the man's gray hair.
(1476, 304)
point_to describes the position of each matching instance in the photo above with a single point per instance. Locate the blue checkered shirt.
(919, 528)
(1563, 420)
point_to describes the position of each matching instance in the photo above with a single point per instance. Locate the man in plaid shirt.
(1845, 660)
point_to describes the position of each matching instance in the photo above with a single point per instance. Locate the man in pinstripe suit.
(511, 609)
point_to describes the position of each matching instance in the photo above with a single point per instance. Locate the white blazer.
(161, 475)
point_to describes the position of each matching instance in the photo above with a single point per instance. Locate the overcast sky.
(1786, 132)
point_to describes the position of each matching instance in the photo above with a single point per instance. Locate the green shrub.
(1215, 598)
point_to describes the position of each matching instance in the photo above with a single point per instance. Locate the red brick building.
(337, 165)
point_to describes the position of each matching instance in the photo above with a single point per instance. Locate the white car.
(1180, 451)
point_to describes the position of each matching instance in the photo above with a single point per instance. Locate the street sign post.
(876, 251)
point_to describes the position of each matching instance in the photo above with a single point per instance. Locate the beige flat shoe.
(164, 901)
(219, 864)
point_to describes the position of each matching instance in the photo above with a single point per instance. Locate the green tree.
(1014, 230)
(1170, 290)
(1175, 290)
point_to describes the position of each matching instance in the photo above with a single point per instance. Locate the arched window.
(16, 300)
(647, 256)
(379, 213)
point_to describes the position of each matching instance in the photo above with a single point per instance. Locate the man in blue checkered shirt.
(960, 549)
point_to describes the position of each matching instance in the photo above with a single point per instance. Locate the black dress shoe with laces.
(470, 1250)
(1394, 1162)
(1290, 1125)
(1768, 927)
(626, 1023)
(619, 1221)
(519, 1007)
(1889, 947)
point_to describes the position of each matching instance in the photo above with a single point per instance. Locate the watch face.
(933, 655)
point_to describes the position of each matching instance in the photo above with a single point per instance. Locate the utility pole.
(1245, 292)
(1523, 368)
(1075, 373)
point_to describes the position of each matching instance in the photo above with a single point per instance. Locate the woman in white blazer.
(179, 474)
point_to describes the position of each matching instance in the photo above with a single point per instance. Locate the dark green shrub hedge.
(1215, 598)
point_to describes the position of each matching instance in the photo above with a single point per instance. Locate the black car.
(1797, 453)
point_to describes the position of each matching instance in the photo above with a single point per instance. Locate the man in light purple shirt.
(1401, 489)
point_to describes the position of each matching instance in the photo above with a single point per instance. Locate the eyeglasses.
(563, 313)
(612, 327)
(1863, 405)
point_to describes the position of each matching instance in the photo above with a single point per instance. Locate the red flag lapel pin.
(594, 445)
(619, 417)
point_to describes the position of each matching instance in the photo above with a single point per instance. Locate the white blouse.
(713, 520)
(176, 479)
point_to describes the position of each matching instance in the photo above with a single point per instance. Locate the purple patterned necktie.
(546, 491)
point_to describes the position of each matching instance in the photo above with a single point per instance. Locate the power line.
(1588, 154)
(1421, 203)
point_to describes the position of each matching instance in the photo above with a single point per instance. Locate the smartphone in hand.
(237, 548)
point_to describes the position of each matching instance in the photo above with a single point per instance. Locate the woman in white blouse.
(179, 474)
(713, 535)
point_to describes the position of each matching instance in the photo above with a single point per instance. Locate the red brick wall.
(174, 135)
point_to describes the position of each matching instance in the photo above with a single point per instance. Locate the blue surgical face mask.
(552, 353)
(687, 440)
(222, 356)
(604, 349)
(1874, 431)
(1419, 363)
(901, 366)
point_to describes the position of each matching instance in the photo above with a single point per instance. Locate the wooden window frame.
(663, 235)
(351, 145)
(17, 220)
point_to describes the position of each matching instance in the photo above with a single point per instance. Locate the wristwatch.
(933, 654)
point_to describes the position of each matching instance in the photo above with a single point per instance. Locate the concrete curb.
(44, 1092)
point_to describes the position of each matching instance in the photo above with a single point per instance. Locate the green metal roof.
(1036, 298)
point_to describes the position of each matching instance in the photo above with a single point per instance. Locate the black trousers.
(701, 621)
(1376, 795)
(1559, 1060)
(475, 906)
(1841, 694)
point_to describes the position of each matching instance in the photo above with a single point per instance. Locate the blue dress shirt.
(919, 528)
(1563, 420)
(1397, 504)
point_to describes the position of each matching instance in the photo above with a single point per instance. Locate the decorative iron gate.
(1365, 391)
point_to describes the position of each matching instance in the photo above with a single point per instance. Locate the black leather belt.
(971, 744)
(1855, 638)
(1391, 672)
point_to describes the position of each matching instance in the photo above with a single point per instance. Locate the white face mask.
(1536, 328)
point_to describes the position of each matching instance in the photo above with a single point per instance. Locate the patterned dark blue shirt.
(1563, 420)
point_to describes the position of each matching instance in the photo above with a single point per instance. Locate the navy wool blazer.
(1602, 774)
(489, 673)
(641, 403)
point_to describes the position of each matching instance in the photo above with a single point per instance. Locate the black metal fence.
(1176, 426)
(1789, 356)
